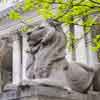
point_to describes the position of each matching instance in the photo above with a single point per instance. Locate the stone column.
(24, 57)
(81, 51)
(68, 53)
(92, 55)
(17, 68)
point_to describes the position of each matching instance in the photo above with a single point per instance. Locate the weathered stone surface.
(5, 61)
(47, 46)
(96, 81)
(40, 92)
(79, 78)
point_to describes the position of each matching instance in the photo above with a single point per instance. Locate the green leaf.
(28, 5)
(14, 15)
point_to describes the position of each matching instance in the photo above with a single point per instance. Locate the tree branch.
(80, 2)
(53, 2)
(95, 2)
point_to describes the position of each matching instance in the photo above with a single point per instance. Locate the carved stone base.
(39, 92)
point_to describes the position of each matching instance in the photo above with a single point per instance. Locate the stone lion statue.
(48, 63)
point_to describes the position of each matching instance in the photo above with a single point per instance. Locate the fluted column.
(24, 57)
(81, 50)
(92, 55)
(17, 68)
(68, 53)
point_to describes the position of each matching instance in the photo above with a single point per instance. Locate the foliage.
(28, 5)
(64, 11)
(96, 42)
(14, 15)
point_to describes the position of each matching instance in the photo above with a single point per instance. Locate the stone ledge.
(40, 92)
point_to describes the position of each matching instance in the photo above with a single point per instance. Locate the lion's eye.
(41, 27)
